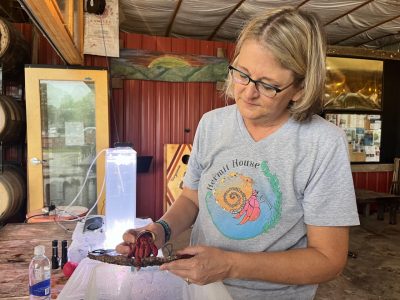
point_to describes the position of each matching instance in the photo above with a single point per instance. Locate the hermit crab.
(144, 246)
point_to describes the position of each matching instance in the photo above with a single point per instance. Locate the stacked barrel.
(14, 54)
(12, 191)
(12, 119)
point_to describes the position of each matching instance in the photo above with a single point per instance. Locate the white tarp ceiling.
(373, 24)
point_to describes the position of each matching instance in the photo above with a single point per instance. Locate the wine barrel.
(12, 119)
(14, 51)
(12, 191)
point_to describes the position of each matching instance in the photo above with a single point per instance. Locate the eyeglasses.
(262, 87)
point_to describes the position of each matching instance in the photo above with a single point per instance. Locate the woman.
(268, 187)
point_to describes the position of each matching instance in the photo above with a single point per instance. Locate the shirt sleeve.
(329, 198)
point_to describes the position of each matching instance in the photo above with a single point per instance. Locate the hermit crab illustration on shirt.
(244, 202)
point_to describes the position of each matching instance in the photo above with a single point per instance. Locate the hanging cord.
(110, 81)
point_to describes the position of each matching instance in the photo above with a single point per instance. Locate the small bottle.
(55, 260)
(39, 275)
(64, 253)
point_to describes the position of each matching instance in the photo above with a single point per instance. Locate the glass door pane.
(68, 141)
(63, 7)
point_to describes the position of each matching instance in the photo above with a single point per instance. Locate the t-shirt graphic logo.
(242, 207)
(235, 194)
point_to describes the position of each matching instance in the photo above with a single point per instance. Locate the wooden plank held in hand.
(112, 257)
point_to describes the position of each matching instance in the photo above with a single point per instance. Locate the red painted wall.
(376, 181)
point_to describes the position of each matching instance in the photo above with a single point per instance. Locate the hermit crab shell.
(232, 192)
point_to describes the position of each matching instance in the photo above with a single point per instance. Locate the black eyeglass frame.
(249, 79)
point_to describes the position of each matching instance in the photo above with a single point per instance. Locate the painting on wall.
(172, 67)
(353, 84)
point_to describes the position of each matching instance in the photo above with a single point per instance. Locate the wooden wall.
(150, 114)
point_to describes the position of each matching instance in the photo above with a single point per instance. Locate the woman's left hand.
(207, 265)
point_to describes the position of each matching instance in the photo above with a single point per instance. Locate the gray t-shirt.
(259, 196)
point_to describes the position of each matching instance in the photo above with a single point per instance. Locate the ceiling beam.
(46, 15)
(224, 19)
(171, 22)
(394, 43)
(369, 28)
(348, 12)
(375, 39)
(302, 3)
(362, 52)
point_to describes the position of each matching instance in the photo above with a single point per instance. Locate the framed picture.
(363, 133)
(353, 84)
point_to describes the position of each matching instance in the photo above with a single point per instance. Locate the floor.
(374, 270)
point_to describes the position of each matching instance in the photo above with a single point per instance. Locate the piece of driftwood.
(112, 257)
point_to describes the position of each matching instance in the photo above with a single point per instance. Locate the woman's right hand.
(129, 238)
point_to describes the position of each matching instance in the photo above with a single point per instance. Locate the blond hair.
(298, 42)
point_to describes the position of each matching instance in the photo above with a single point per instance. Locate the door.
(67, 126)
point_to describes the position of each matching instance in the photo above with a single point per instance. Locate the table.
(366, 197)
(17, 241)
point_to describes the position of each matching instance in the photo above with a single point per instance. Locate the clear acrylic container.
(120, 214)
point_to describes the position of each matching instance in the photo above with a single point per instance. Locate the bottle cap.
(54, 243)
(39, 250)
